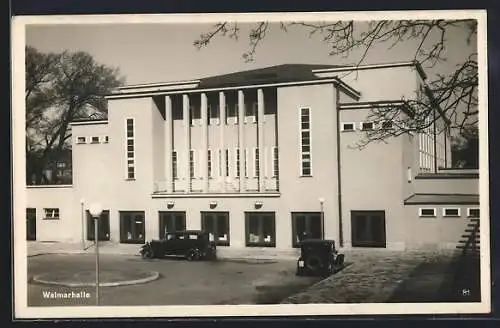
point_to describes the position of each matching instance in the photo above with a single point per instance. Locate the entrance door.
(368, 229)
(31, 224)
(171, 222)
(103, 226)
(132, 230)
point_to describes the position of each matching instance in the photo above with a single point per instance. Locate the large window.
(237, 155)
(132, 229)
(103, 226)
(306, 225)
(192, 163)
(174, 164)
(275, 162)
(256, 171)
(305, 142)
(31, 224)
(260, 229)
(217, 224)
(171, 222)
(130, 148)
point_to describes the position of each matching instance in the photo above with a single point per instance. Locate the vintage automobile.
(318, 257)
(194, 245)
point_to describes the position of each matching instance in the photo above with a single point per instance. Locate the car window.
(170, 236)
(193, 236)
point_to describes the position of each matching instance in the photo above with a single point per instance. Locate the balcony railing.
(215, 185)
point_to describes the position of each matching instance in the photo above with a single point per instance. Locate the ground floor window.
(368, 229)
(103, 226)
(260, 229)
(132, 228)
(306, 225)
(31, 224)
(171, 222)
(217, 224)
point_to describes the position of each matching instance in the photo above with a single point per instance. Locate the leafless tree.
(60, 88)
(455, 94)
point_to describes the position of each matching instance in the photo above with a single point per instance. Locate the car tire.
(147, 254)
(314, 264)
(193, 255)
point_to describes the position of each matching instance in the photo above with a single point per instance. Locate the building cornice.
(335, 80)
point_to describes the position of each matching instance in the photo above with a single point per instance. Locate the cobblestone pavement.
(380, 277)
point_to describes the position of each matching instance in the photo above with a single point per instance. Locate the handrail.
(471, 240)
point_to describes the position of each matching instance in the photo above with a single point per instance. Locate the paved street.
(180, 283)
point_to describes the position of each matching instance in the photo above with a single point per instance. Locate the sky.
(150, 53)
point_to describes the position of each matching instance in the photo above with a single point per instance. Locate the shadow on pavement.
(454, 280)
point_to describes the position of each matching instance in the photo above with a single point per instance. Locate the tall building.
(258, 158)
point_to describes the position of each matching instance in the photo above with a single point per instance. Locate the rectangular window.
(51, 213)
(237, 155)
(103, 226)
(209, 162)
(220, 162)
(192, 163)
(275, 162)
(256, 162)
(171, 222)
(305, 142)
(366, 126)
(246, 162)
(95, 140)
(451, 212)
(386, 125)
(306, 225)
(174, 164)
(260, 229)
(473, 212)
(427, 212)
(217, 224)
(130, 133)
(227, 163)
(81, 140)
(232, 113)
(194, 115)
(106, 139)
(251, 113)
(132, 230)
(346, 127)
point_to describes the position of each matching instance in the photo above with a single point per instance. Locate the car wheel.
(147, 254)
(339, 261)
(193, 255)
(314, 263)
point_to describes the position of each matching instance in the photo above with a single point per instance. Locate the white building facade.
(258, 158)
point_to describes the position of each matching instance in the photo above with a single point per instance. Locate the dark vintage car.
(194, 245)
(318, 257)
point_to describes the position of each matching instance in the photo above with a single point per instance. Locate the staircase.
(469, 242)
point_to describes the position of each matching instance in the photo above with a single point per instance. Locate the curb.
(153, 276)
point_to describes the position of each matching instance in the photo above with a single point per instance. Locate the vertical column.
(168, 144)
(241, 137)
(187, 142)
(204, 141)
(221, 160)
(260, 136)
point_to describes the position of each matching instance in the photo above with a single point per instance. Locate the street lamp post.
(321, 204)
(96, 211)
(82, 214)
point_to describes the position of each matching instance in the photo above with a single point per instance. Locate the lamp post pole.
(96, 240)
(322, 214)
(82, 213)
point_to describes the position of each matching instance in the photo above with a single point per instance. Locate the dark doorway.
(103, 226)
(31, 224)
(217, 224)
(132, 230)
(368, 229)
(172, 222)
